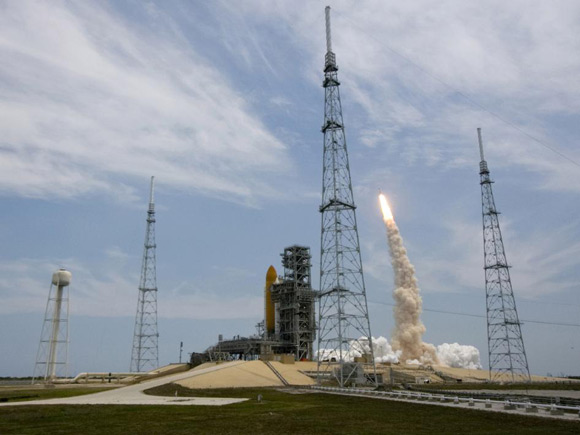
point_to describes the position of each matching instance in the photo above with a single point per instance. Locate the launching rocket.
(409, 330)
(387, 214)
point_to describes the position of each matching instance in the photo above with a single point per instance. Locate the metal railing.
(529, 406)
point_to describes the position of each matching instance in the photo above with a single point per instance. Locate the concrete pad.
(129, 399)
(133, 394)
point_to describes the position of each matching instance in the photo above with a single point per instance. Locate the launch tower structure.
(507, 354)
(294, 300)
(145, 354)
(343, 311)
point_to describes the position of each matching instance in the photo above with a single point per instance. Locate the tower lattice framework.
(343, 312)
(507, 354)
(145, 354)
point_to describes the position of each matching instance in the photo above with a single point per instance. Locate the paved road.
(133, 394)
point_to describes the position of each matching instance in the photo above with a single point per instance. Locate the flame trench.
(409, 329)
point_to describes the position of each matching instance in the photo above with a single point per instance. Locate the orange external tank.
(269, 312)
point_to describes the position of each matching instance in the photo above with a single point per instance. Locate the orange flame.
(387, 214)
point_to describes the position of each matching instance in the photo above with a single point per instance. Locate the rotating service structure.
(294, 301)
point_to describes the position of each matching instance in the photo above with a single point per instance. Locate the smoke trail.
(409, 329)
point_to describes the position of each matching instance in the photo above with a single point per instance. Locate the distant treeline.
(15, 378)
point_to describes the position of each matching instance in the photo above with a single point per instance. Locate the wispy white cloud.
(107, 290)
(89, 102)
(408, 64)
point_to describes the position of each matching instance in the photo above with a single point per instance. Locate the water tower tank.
(61, 278)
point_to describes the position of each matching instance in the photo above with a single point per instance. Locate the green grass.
(21, 394)
(482, 386)
(279, 413)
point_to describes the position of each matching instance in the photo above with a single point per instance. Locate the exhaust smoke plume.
(449, 354)
(409, 329)
(459, 356)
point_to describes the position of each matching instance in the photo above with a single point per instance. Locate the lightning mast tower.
(507, 354)
(343, 312)
(145, 354)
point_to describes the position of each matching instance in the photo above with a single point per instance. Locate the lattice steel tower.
(507, 354)
(145, 354)
(343, 312)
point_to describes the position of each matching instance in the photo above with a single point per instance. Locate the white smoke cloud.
(384, 352)
(382, 349)
(448, 354)
(356, 350)
(459, 356)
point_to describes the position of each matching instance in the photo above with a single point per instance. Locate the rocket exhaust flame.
(409, 329)
(387, 214)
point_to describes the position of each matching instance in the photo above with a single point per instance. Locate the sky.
(222, 102)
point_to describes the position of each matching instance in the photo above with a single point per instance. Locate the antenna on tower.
(328, 35)
(480, 144)
(151, 195)
(343, 318)
(330, 57)
(507, 354)
(482, 163)
(145, 353)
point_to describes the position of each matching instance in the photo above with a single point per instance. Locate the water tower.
(52, 356)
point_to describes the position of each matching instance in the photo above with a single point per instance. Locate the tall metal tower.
(507, 354)
(52, 355)
(145, 355)
(343, 312)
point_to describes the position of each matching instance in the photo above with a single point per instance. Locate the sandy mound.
(245, 374)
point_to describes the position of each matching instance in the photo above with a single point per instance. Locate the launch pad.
(289, 328)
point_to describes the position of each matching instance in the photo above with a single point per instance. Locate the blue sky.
(222, 102)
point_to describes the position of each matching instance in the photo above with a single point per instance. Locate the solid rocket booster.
(269, 310)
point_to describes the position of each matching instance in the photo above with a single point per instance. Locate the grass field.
(279, 413)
